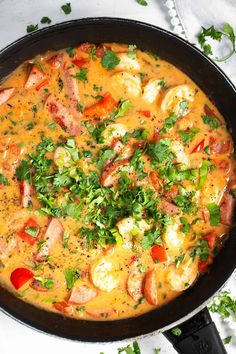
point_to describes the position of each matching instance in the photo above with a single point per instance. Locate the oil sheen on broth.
(117, 181)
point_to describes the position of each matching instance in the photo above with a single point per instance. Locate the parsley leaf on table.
(217, 35)
(66, 8)
(225, 305)
(31, 28)
(45, 20)
(142, 2)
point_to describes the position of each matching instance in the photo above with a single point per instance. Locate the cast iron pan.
(199, 334)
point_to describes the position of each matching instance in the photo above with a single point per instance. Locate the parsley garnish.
(215, 34)
(142, 2)
(82, 75)
(176, 331)
(132, 51)
(130, 350)
(201, 250)
(151, 237)
(214, 211)
(31, 28)
(71, 275)
(66, 8)
(110, 60)
(160, 151)
(212, 121)
(45, 20)
(188, 135)
(32, 231)
(4, 180)
(45, 282)
(123, 108)
(227, 340)
(224, 304)
(169, 123)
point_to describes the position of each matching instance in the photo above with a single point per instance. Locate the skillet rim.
(113, 20)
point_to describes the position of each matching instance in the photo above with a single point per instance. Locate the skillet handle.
(199, 335)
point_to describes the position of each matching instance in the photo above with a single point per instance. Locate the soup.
(117, 181)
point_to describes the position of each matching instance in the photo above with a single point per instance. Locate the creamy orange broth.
(134, 283)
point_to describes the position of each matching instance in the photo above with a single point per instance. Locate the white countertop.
(15, 15)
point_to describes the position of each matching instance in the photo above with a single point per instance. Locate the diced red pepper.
(211, 239)
(20, 276)
(155, 180)
(158, 253)
(80, 62)
(199, 147)
(146, 114)
(203, 265)
(30, 223)
(15, 149)
(102, 108)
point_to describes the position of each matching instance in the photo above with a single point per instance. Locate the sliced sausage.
(169, 208)
(62, 116)
(219, 147)
(35, 78)
(53, 234)
(150, 287)
(71, 87)
(81, 295)
(226, 209)
(109, 174)
(25, 191)
(6, 94)
(135, 285)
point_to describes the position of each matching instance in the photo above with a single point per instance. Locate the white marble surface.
(15, 15)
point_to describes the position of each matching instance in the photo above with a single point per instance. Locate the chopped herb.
(214, 211)
(160, 151)
(45, 20)
(60, 84)
(140, 134)
(66, 237)
(82, 75)
(179, 260)
(162, 83)
(130, 350)
(47, 283)
(151, 237)
(152, 55)
(215, 34)
(142, 2)
(52, 125)
(71, 52)
(123, 108)
(4, 180)
(201, 250)
(142, 76)
(140, 301)
(80, 107)
(188, 135)
(176, 331)
(66, 8)
(157, 350)
(31, 28)
(80, 308)
(97, 88)
(183, 106)
(212, 121)
(227, 340)
(203, 173)
(32, 231)
(110, 60)
(71, 275)
(224, 304)
(30, 126)
(169, 123)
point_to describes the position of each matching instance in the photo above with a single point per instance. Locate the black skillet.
(188, 311)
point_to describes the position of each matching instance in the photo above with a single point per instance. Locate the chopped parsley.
(45, 20)
(176, 331)
(122, 110)
(110, 60)
(227, 340)
(151, 237)
(71, 275)
(188, 135)
(214, 211)
(4, 180)
(142, 2)
(224, 304)
(66, 8)
(31, 28)
(82, 75)
(201, 250)
(135, 349)
(132, 51)
(160, 151)
(212, 121)
(169, 123)
(32, 231)
(47, 283)
(217, 35)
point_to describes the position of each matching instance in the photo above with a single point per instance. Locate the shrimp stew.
(117, 181)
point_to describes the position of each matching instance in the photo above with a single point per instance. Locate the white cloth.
(187, 17)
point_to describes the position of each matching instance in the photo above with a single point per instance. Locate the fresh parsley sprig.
(217, 35)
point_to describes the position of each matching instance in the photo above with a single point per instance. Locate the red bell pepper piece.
(158, 253)
(146, 114)
(80, 62)
(20, 276)
(102, 108)
(211, 239)
(199, 146)
(26, 236)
